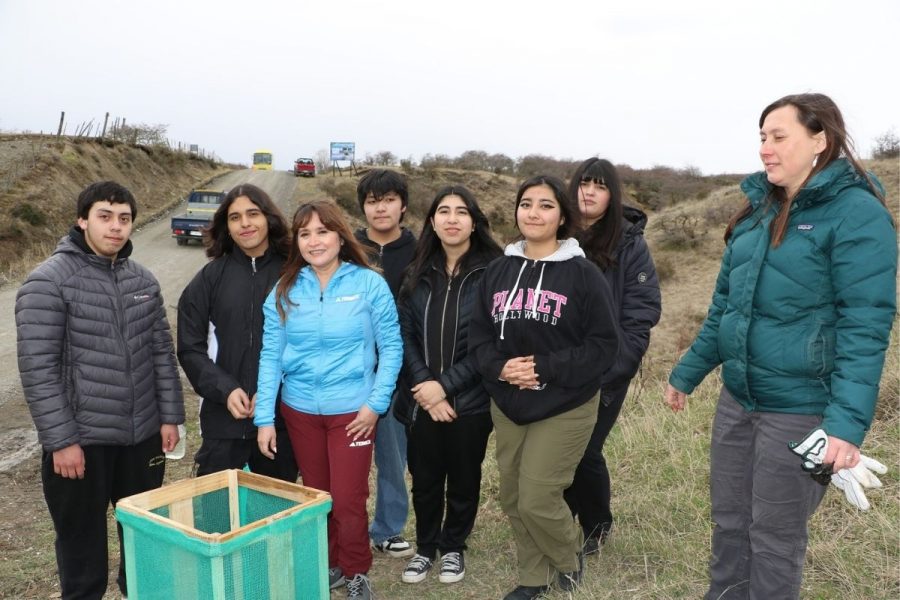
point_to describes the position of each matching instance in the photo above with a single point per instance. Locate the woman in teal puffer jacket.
(800, 320)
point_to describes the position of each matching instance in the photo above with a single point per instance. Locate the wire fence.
(21, 152)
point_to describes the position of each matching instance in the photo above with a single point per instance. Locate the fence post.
(62, 117)
(105, 119)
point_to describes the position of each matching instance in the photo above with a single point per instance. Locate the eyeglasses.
(595, 180)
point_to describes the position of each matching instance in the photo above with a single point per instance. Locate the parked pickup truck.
(201, 204)
(305, 167)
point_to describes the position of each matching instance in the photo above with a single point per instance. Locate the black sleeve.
(578, 365)
(640, 310)
(211, 382)
(414, 366)
(484, 344)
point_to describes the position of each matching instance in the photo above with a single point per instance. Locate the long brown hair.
(817, 113)
(333, 219)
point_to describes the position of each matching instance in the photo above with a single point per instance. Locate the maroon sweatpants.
(332, 462)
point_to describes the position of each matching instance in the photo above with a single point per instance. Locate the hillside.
(41, 177)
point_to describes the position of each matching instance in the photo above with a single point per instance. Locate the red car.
(305, 167)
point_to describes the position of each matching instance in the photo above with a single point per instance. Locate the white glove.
(811, 449)
(853, 480)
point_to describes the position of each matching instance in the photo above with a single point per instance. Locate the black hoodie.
(558, 309)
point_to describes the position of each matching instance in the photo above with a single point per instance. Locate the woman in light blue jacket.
(329, 321)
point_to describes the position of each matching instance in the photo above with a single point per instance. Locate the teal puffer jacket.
(803, 328)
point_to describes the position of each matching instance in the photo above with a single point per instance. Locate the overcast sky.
(642, 83)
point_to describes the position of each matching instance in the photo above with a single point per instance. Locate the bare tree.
(322, 160)
(887, 145)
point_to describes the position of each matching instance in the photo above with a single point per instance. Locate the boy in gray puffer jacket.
(99, 374)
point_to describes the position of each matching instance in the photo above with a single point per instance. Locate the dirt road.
(172, 264)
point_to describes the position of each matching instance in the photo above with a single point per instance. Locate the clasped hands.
(430, 395)
(519, 371)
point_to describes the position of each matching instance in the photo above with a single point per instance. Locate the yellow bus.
(262, 160)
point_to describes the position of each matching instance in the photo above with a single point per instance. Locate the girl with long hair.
(441, 399)
(613, 239)
(543, 332)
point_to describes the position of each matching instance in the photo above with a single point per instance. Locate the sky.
(641, 82)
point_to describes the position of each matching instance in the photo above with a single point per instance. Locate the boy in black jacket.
(220, 323)
(383, 197)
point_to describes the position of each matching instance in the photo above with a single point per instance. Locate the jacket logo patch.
(352, 298)
(805, 227)
(141, 297)
(642, 277)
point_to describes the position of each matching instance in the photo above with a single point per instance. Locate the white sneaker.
(395, 546)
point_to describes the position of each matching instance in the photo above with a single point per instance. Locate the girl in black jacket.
(440, 396)
(612, 239)
(543, 332)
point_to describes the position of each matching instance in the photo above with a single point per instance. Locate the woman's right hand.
(265, 439)
(675, 398)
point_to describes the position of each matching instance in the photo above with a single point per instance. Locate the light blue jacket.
(326, 353)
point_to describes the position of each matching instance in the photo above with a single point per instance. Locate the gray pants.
(761, 502)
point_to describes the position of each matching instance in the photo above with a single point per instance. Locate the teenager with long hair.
(441, 399)
(543, 332)
(613, 239)
(248, 242)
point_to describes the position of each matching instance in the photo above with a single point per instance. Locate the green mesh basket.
(230, 535)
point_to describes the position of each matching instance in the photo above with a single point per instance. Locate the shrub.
(682, 231)
(31, 215)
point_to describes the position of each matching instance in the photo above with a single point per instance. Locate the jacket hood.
(568, 248)
(824, 186)
(75, 243)
(635, 221)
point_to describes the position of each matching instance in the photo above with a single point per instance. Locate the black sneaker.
(417, 569)
(569, 581)
(360, 588)
(335, 578)
(453, 567)
(527, 592)
(395, 546)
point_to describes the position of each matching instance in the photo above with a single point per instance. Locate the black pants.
(445, 463)
(217, 455)
(589, 495)
(79, 507)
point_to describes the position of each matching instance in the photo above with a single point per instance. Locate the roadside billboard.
(343, 151)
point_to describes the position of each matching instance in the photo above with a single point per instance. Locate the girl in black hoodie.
(440, 397)
(543, 334)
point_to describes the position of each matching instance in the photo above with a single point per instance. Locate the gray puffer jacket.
(95, 350)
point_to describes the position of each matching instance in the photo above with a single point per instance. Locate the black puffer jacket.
(636, 299)
(95, 350)
(461, 381)
(229, 293)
